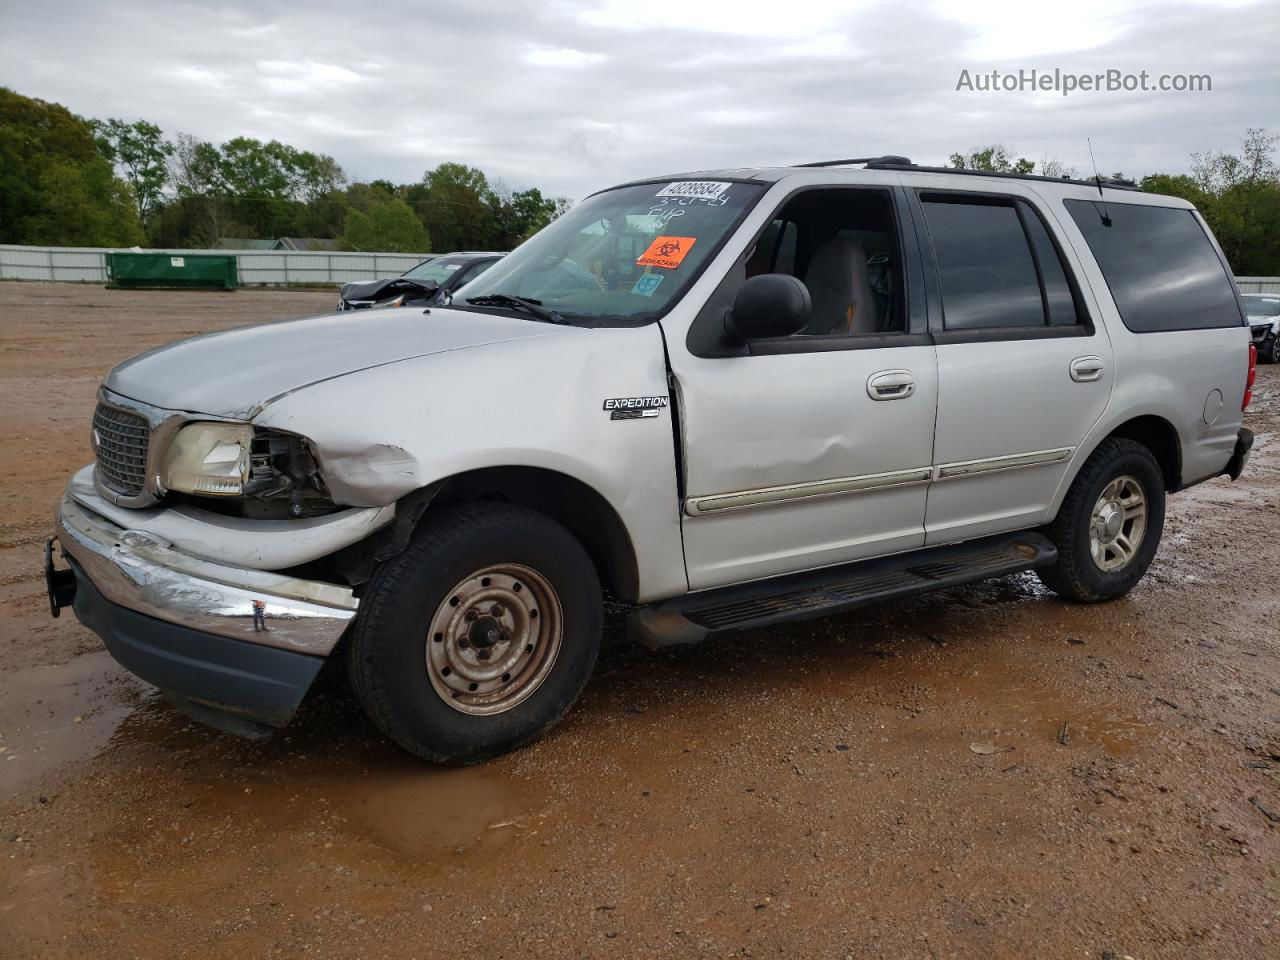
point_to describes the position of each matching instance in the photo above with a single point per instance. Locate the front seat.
(840, 289)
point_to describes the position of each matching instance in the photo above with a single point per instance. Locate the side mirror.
(769, 305)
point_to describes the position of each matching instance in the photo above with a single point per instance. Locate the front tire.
(1109, 526)
(1272, 352)
(479, 636)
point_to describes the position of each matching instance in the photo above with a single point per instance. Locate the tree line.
(70, 181)
(1237, 193)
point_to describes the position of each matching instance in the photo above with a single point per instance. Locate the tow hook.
(61, 584)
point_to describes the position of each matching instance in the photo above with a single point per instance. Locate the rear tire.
(479, 636)
(1108, 528)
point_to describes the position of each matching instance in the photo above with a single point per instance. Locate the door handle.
(1087, 369)
(891, 385)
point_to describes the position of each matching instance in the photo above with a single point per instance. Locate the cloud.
(291, 77)
(576, 94)
(561, 57)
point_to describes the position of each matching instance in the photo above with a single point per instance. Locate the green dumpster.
(172, 270)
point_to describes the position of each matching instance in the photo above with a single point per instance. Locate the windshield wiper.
(527, 304)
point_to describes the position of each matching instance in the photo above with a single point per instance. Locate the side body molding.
(765, 496)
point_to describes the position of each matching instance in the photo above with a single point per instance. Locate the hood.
(235, 373)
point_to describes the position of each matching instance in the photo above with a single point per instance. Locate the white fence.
(276, 267)
(89, 264)
(1259, 284)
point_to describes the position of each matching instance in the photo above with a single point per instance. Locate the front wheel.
(1271, 353)
(1109, 525)
(480, 636)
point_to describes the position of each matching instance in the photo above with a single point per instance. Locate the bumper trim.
(239, 687)
(1240, 456)
(132, 569)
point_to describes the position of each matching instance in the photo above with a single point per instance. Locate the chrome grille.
(121, 437)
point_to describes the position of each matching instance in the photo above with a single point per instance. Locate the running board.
(819, 593)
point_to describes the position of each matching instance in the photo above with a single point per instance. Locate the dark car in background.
(430, 282)
(1263, 311)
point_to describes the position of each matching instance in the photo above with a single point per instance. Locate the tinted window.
(1162, 270)
(1058, 299)
(984, 264)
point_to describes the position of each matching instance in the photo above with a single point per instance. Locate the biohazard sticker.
(666, 252)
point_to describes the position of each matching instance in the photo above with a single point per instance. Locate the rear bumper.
(1240, 456)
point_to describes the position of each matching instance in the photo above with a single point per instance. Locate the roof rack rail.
(888, 159)
(1117, 183)
(894, 162)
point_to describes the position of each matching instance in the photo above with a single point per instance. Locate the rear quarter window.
(1162, 269)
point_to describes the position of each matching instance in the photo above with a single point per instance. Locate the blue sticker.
(647, 284)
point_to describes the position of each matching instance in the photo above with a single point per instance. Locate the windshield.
(622, 255)
(435, 271)
(1262, 306)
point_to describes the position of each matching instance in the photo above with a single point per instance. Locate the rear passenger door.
(1023, 373)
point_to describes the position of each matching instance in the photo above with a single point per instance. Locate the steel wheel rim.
(494, 639)
(1118, 524)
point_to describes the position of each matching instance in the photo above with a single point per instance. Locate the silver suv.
(727, 399)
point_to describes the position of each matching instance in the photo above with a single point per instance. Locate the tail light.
(1253, 375)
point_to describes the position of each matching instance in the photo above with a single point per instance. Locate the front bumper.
(239, 687)
(242, 643)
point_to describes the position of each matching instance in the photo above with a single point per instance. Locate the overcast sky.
(571, 96)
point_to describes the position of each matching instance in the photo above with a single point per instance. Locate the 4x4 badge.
(634, 408)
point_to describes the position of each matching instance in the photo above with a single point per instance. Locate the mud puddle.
(968, 649)
(54, 715)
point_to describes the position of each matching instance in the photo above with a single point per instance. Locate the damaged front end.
(202, 552)
(275, 476)
(396, 292)
(241, 644)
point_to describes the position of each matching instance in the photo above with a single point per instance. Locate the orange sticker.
(666, 252)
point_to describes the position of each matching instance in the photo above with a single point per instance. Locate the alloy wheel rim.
(494, 639)
(1118, 524)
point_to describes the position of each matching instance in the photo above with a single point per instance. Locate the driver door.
(813, 449)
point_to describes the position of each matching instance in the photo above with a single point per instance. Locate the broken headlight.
(210, 459)
(264, 473)
(284, 477)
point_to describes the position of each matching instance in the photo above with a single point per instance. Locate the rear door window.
(1058, 300)
(1163, 271)
(985, 266)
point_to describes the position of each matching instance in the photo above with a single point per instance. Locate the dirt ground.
(987, 772)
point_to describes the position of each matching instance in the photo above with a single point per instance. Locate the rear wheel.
(480, 636)
(1109, 526)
